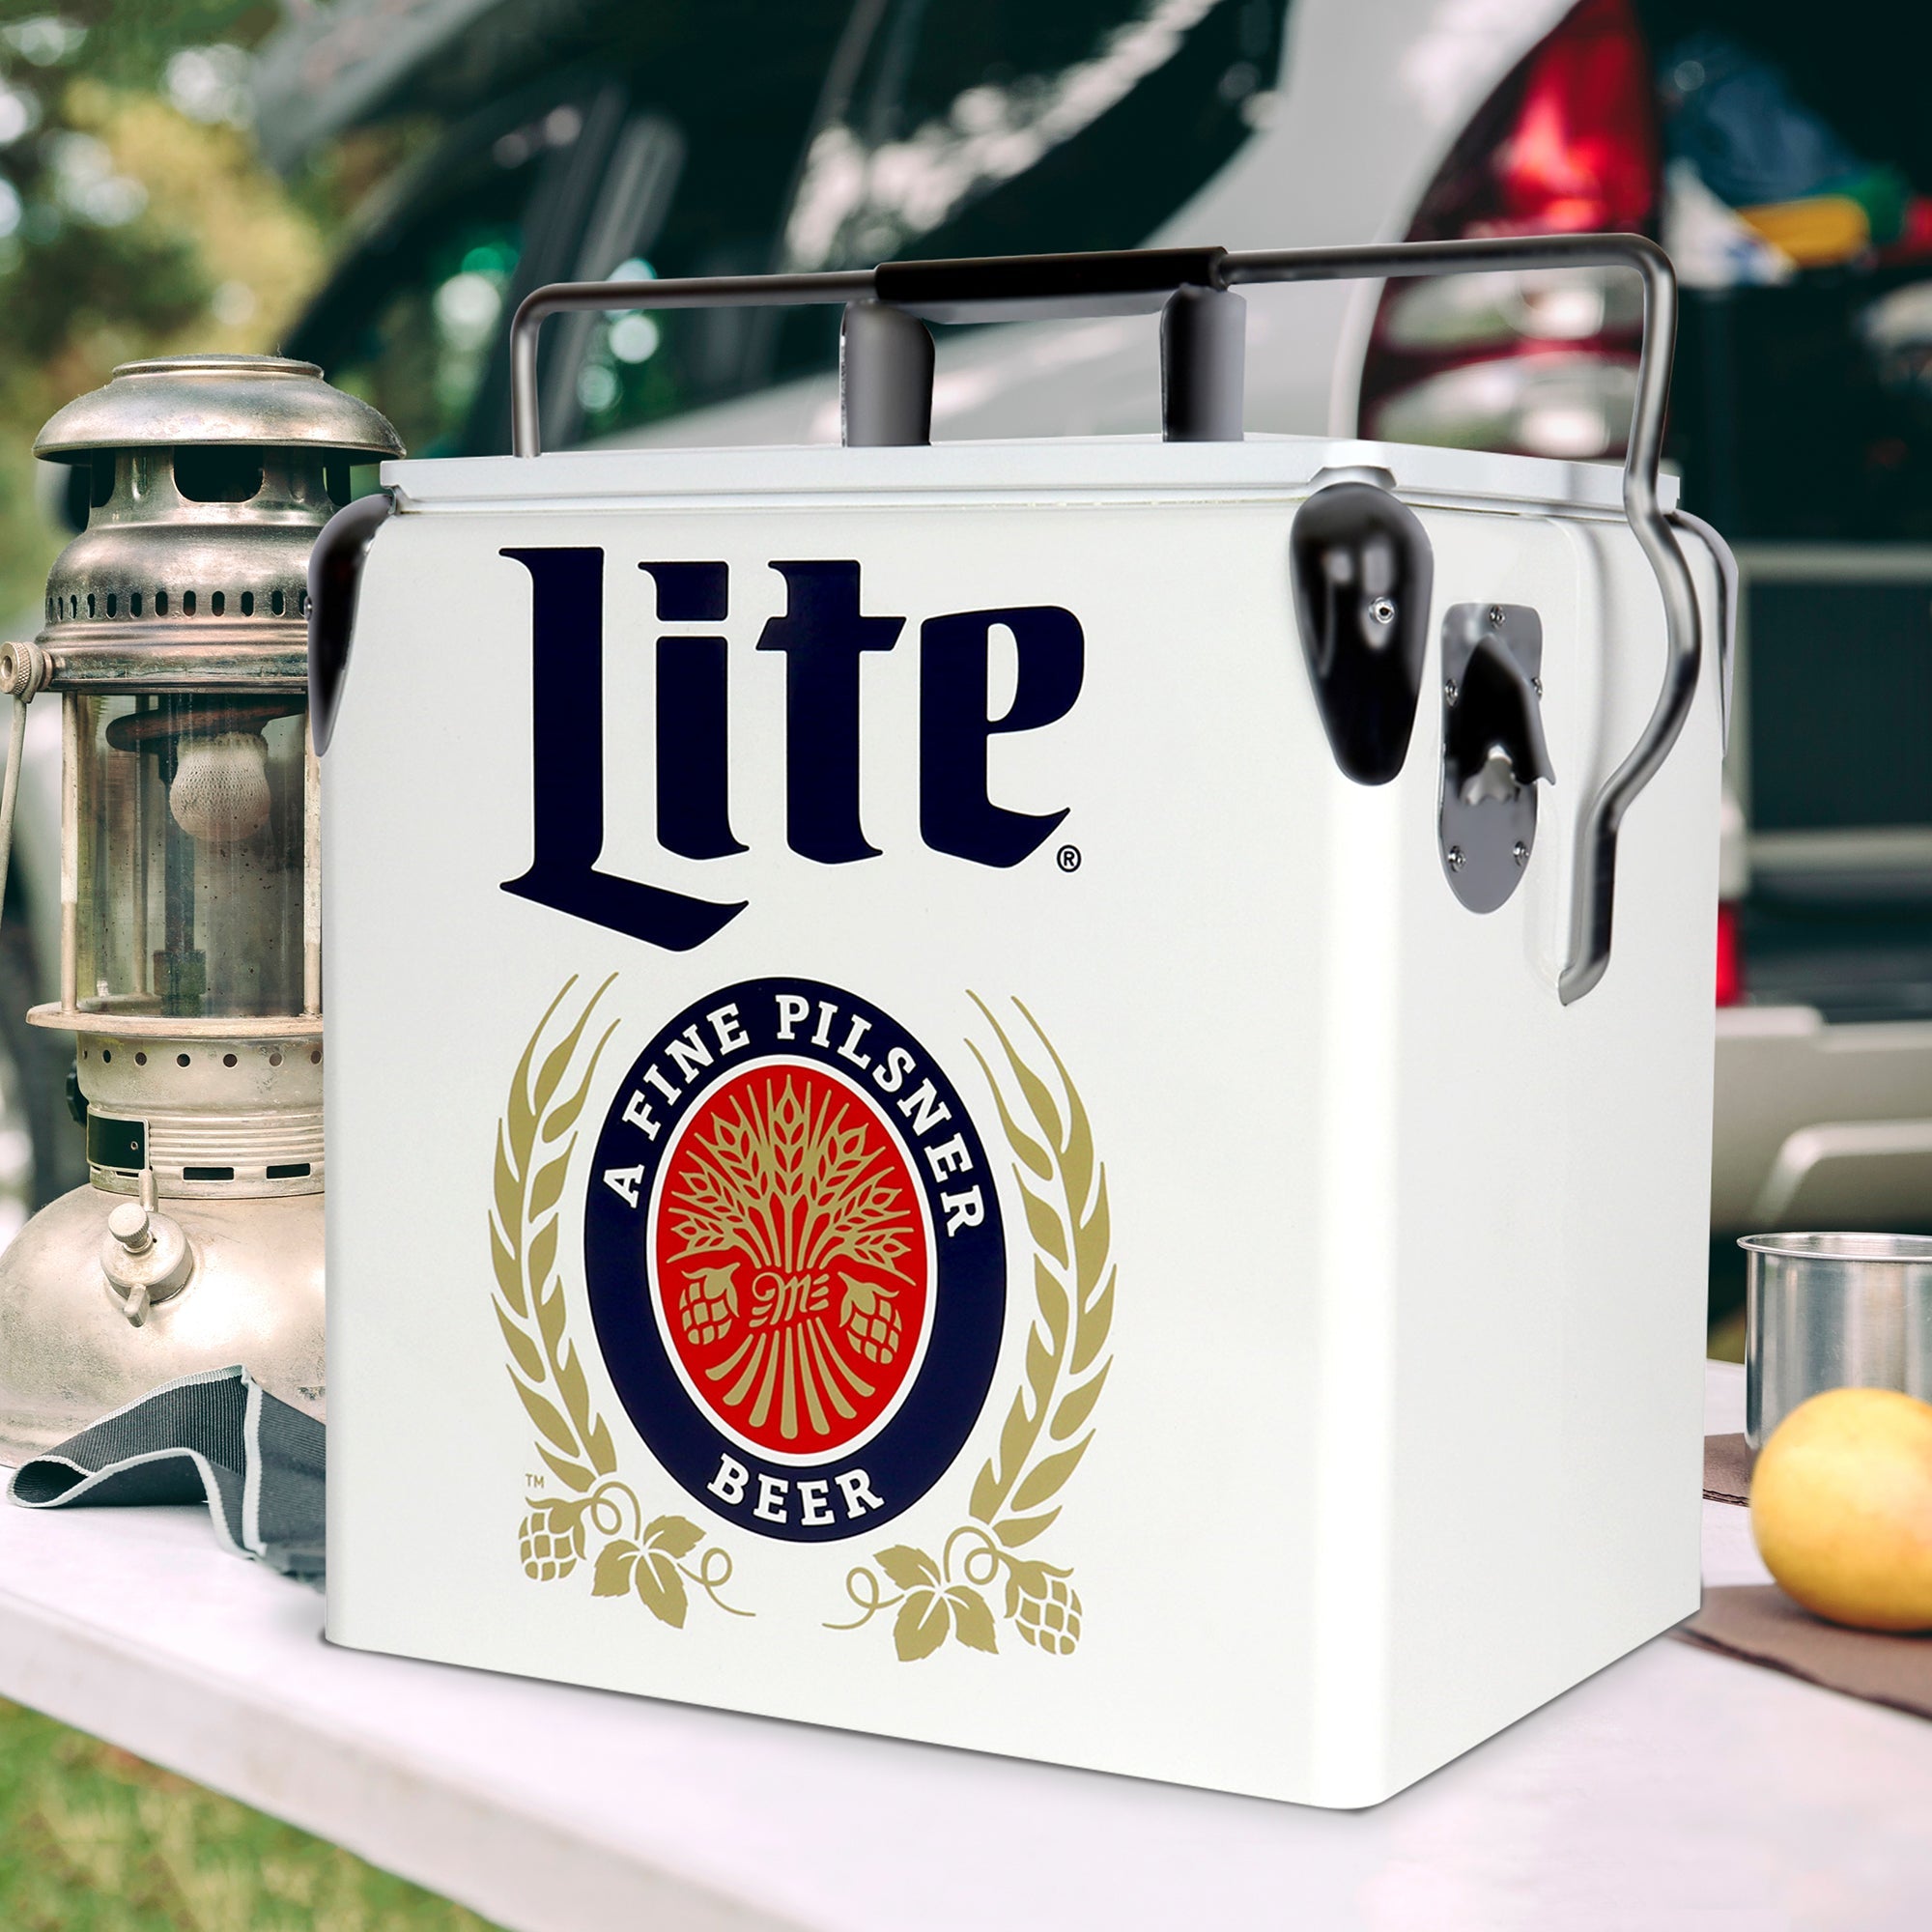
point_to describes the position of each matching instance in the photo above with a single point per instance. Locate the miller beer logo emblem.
(795, 1257)
(796, 1270)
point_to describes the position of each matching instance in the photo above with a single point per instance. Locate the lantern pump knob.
(144, 1255)
(129, 1224)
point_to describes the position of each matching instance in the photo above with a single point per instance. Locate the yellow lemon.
(1841, 1507)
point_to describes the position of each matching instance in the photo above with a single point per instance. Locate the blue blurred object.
(1737, 123)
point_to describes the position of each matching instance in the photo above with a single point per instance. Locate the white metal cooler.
(982, 1092)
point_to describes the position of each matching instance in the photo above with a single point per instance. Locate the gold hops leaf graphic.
(1047, 1426)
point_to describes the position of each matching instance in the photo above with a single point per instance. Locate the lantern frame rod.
(143, 961)
(69, 938)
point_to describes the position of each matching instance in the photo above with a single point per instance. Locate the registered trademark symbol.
(1067, 858)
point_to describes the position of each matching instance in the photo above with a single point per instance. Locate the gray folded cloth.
(218, 1438)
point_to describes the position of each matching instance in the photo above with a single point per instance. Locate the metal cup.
(1834, 1311)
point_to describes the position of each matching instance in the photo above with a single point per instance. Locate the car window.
(1840, 691)
(1011, 128)
(651, 146)
(1008, 128)
(1798, 205)
(410, 319)
(859, 131)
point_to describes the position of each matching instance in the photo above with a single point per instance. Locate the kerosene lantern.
(190, 967)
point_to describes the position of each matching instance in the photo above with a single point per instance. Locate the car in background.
(542, 140)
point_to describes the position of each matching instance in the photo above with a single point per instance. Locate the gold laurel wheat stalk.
(524, 1232)
(575, 1445)
(1064, 1191)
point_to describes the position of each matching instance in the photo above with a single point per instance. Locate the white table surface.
(1677, 1788)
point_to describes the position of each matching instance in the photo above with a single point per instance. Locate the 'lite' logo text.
(822, 636)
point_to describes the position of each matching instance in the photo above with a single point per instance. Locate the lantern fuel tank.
(175, 645)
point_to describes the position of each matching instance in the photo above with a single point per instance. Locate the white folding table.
(1677, 1788)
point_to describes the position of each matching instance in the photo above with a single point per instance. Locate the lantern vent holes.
(98, 605)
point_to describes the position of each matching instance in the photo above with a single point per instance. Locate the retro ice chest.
(1051, 1096)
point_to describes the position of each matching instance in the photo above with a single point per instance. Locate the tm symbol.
(533, 1482)
(1067, 858)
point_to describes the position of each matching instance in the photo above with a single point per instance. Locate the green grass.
(93, 1839)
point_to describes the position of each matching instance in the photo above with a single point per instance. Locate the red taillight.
(1543, 363)
(1730, 956)
(1582, 150)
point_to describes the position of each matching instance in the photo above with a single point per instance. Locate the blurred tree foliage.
(134, 219)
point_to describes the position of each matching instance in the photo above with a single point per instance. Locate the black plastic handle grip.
(1030, 288)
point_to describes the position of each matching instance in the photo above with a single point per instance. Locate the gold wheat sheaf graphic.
(1047, 1428)
(781, 1180)
(535, 1140)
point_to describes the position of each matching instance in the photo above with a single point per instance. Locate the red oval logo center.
(791, 1258)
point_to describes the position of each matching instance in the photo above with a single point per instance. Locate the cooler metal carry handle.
(886, 374)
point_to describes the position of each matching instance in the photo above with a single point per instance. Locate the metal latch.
(1494, 749)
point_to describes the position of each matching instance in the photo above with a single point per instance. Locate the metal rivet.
(1495, 614)
(1536, 685)
(1455, 857)
(1382, 611)
(1449, 692)
(1520, 852)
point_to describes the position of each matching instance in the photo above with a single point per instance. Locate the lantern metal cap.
(251, 400)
